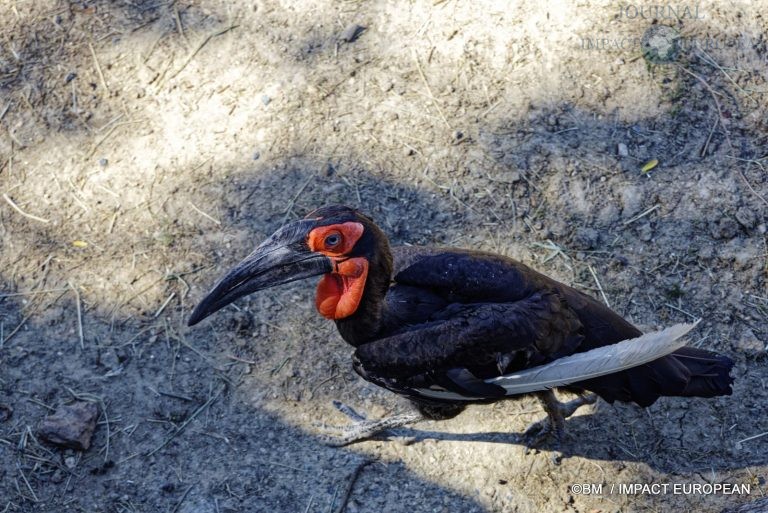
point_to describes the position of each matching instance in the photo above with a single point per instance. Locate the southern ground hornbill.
(443, 327)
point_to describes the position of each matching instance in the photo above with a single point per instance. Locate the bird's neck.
(365, 324)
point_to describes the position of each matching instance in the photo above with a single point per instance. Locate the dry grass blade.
(20, 211)
(79, 316)
(187, 422)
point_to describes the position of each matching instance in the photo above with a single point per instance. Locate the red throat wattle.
(339, 293)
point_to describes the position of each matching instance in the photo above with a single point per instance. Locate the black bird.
(435, 325)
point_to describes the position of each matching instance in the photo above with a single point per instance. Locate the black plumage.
(433, 324)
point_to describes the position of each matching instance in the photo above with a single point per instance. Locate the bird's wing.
(537, 328)
(473, 276)
(467, 276)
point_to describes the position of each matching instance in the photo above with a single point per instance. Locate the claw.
(362, 429)
(348, 411)
(554, 423)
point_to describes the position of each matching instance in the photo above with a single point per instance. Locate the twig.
(109, 433)
(98, 68)
(79, 316)
(179, 26)
(183, 496)
(186, 422)
(162, 307)
(673, 307)
(641, 215)
(429, 90)
(323, 382)
(599, 287)
(20, 211)
(32, 292)
(169, 394)
(200, 47)
(351, 484)
(309, 504)
(29, 487)
(292, 203)
(17, 328)
(204, 214)
(752, 437)
(750, 161)
(106, 136)
(725, 130)
(717, 103)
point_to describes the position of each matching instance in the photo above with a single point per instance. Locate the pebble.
(586, 238)
(70, 426)
(5, 412)
(632, 198)
(622, 150)
(725, 228)
(458, 135)
(645, 232)
(103, 162)
(749, 344)
(746, 217)
(265, 99)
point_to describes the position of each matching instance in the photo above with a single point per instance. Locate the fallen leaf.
(649, 165)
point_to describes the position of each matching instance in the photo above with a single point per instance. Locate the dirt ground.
(146, 146)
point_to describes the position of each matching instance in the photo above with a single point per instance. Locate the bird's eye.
(332, 240)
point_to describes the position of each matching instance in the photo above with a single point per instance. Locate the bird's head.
(335, 241)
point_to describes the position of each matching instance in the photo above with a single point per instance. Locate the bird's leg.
(361, 428)
(554, 423)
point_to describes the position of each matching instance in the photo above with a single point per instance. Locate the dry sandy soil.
(146, 146)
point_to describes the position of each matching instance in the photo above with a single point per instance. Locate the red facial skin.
(339, 292)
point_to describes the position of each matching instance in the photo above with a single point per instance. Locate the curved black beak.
(282, 258)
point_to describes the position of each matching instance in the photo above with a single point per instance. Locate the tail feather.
(687, 372)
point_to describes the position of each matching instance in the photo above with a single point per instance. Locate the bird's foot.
(362, 428)
(554, 424)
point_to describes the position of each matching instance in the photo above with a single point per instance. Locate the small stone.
(70, 462)
(256, 155)
(70, 77)
(103, 162)
(749, 344)
(458, 135)
(725, 228)
(109, 359)
(241, 323)
(265, 99)
(586, 238)
(509, 177)
(70, 426)
(706, 253)
(409, 152)
(622, 150)
(746, 217)
(351, 33)
(632, 200)
(5, 412)
(645, 232)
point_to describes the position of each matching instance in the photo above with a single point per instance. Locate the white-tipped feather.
(596, 362)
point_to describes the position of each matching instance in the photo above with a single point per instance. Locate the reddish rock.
(71, 426)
